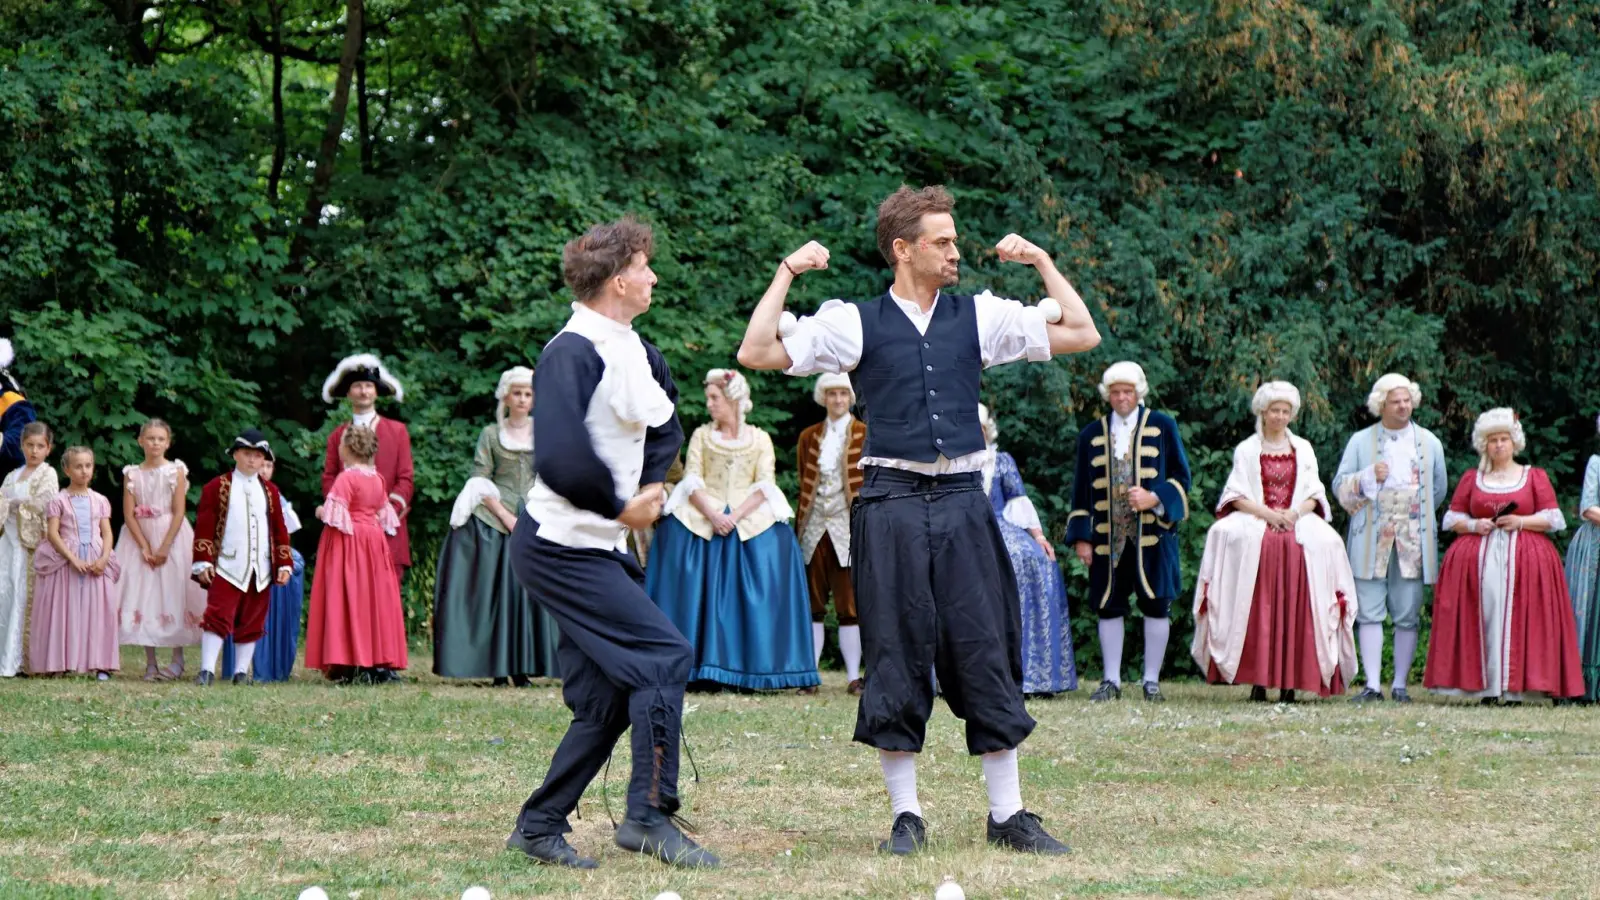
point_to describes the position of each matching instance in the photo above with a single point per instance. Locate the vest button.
(939, 441)
(926, 345)
(933, 393)
(930, 368)
(936, 417)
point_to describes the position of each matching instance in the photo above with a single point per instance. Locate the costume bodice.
(1278, 480)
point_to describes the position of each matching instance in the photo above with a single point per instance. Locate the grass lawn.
(128, 789)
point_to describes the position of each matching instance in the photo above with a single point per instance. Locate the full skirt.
(1583, 580)
(743, 605)
(160, 607)
(16, 571)
(275, 652)
(1048, 665)
(356, 615)
(1280, 643)
(1502, 620)
(74, 622)
(484, 624)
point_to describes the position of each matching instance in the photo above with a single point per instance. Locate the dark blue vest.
(920, 390)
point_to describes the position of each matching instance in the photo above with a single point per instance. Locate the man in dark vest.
(15, 413)
(934, 587)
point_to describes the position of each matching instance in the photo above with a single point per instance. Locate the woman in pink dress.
(74, 626)
(1502, 623)
(357, 626)
(1275, 603)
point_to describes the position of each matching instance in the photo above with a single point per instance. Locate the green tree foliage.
(1313, 191)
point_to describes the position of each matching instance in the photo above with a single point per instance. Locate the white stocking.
(1111, 648)
(1405, 650)
(818, 632)
(1156, 632)
(850, 649)
(900, 777)
(1371, 634)
(210, 649)
(1005, 786)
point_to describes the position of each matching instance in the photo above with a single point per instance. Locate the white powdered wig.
(734, 387)
(512, 376)
(1124, 372)
(361, 367)
(1391, 382)
(1497, 421)
(7, 355)
(991, 431)
(827, 382)
(1274, 392)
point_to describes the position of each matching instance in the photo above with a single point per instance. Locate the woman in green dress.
(484, 625)
(1583, 577)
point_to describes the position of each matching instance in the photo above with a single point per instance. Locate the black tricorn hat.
(253, 439)
(361, 367)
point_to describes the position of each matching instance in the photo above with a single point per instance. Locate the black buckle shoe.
(909, 835)
(666, 842)
(1152, 693)
(1400, 695)
(1107, 691)
(204, 679)
(1025, 833)
(1258, 694)
(549, 850)
(1368, 695)
(243, 678)
(1286, 695)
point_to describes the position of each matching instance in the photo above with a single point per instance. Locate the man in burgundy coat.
(362, 379)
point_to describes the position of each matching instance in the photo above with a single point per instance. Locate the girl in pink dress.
(357, 626)
(161, 606)
(74, 627)
(1502, 623)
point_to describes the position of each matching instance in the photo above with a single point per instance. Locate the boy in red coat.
(241, 549)
(362, 379)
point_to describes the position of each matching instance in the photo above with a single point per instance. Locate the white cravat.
(833, 442)
(1122, 432)
(367, 419)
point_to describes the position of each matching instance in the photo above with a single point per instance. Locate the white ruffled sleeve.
(1020, 512)
(477, 490)
(1453, 518)
(773, 500)
(680, 494)
(829, 341)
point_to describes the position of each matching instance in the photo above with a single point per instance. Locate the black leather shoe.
(1024, 833)
(1258, 694)
(1286, 695)
(909, 835)
(1400, 695)
(549, 849)
(855, 687)
(205, 678)
(1106, 691)
(1152, 692)
(1368, 695)
(243, 678)
(665, 842)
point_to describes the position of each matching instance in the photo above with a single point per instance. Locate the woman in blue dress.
(725, 565)
(1583, 578)
(1047, 663)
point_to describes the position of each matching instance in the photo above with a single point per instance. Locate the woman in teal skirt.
(725, 566)
(484, 625)
(1583, 578)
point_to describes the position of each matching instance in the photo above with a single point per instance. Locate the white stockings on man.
(1111, 648)
(850, 649)
(1371, 635)
(1156, 632)
(999, 775)
(1405, 650)
(210, 651)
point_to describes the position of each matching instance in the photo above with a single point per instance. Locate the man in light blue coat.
(1391, 482)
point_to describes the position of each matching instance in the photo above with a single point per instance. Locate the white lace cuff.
(681, 493)
(1453, 518)
(1554, 519)
(1020, 512)
(1369, 482)
(776, 503)
(476, 491)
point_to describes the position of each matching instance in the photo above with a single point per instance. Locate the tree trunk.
(361, 114)
(279, 137)
(328, 154)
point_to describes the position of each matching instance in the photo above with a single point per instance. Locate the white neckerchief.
(365, 420)
(834, 435)
(628, 385)
(1122, 432)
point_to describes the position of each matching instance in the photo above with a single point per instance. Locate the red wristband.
(792, 272)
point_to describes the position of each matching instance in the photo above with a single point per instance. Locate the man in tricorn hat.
(241, 549)
(362, 379)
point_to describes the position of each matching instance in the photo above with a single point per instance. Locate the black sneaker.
(204, 679)
(665, 842)
(548, 849)
(1024, 833)
(1107, 691)
(1368, 695)
(909, 835)
(1399, 695)
(1152, 692)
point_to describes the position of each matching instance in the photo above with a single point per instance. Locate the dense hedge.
(1244, 190)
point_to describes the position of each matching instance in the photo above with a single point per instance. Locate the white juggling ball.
(787, 323)
(673, 895)
(313, 893)
(475, 893)
(1051, 309)
(949, 891)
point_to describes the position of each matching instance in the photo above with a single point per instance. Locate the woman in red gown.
(1502, 622)
(1274, 605)
(357, 626)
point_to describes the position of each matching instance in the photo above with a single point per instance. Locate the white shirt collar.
(239, 476)
(1119, 421)
(911, 307)
(366, 419)
(841, 423)
(594, 326)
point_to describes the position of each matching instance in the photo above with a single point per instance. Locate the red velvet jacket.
(211, 518)
(394, 464)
